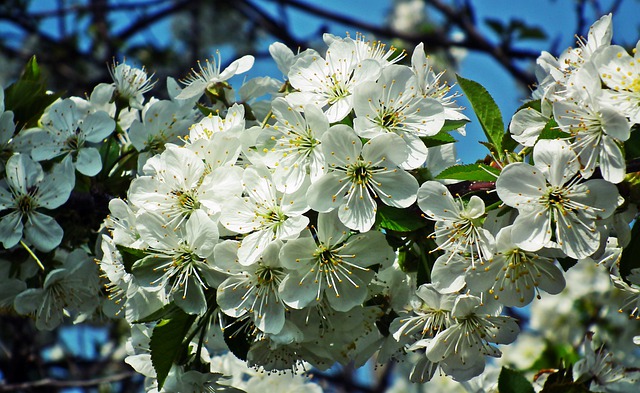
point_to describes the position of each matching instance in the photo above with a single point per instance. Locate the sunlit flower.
(358, 175)
(131, 83)
(210, 74)
(335, 264)
(554, 207)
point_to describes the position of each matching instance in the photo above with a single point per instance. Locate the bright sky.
(556, 17)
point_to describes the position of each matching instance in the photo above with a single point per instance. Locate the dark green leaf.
(400, 220)
(487, 112)
(631, 254)
(632, 145)
(533, 104)
(567, 263)
(451, 125)
(508, 143)
(441, 138)
(27, 97)
(471, 172)
(552, 131)
(554, 355)
(166, 343)
(130, 256)
(166, 312)
(237, 340)
(206, 110)
(511, 381)
(428, 258)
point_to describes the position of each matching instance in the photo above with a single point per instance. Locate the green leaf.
(166, 312)
(130, 256)
(166, 343)
(567, 263)
(206, 110)
(441, 138)
(487, 112)
(31, 71)
(235, 336)
(451, 125)
(400, 220)
(28, 97)
(552, 131)
(632, 145)
(471, 172)
(428, 256)
(533, 104)
(512, 381)
(630, 259)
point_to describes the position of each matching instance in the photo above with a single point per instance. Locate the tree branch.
(55, 383)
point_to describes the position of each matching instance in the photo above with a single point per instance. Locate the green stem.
(33, 255)
(266, 119)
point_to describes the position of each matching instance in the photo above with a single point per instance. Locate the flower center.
(359, 173)
(389, 119)
(187, 201)
(326, 256)
(74, 142)
(267, 275)
(337, 90)
(25, 204)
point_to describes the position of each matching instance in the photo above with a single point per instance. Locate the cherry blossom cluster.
(307, 221)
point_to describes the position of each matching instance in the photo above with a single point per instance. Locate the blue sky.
(556, 17)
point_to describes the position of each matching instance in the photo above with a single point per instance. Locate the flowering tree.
(249, 238)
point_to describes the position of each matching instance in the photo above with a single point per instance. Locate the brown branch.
(476, 40)
(55, 383)
(148, 20)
